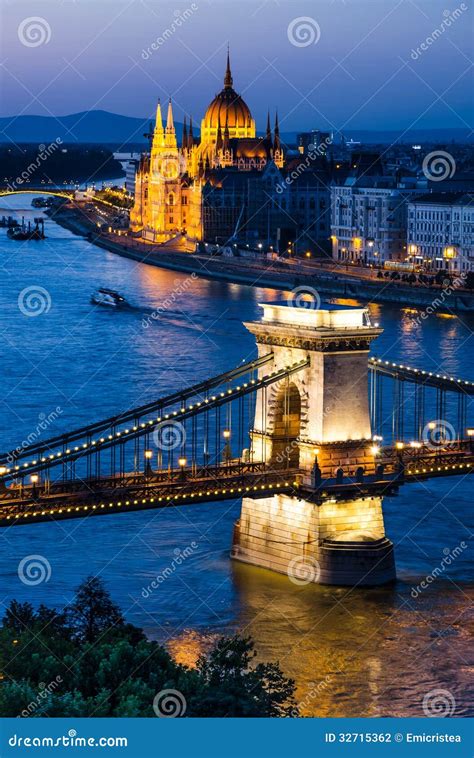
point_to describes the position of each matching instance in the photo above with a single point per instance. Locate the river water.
(352, 652)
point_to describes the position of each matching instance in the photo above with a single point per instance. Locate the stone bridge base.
(338, 543)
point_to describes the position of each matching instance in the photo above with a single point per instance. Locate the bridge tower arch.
(317, 425)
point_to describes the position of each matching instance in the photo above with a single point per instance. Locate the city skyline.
(316, 64)
(237, 245)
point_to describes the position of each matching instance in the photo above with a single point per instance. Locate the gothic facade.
(174, 183)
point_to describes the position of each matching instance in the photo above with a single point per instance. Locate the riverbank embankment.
(273, 274)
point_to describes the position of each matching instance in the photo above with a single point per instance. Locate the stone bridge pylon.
(316, 420)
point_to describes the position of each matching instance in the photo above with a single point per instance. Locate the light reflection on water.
(360, 652)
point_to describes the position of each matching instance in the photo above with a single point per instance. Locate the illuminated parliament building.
(225, 183)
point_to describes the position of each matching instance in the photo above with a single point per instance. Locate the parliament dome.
(228, 109)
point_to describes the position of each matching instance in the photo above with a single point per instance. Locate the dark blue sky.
(357, 69)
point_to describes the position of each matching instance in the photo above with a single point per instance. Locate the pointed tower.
(184, 140)
(277, 143)
(190, 136)
(277, 150)
(227, 101)
(228, 81)
(158, 133)
(170, 132)
(268, 135)
(226, 144)
(219, 140)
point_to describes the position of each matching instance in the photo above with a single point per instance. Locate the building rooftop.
(328, 317)
(445, 198)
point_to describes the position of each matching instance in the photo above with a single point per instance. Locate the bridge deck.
(168, 488)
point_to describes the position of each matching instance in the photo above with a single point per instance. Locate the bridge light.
(432, 425)
(148, 454)
(3, 470)
(375, 450)
(415, 444)
(182, 462)
(226, 434)
(470, 432)
(399, 445)
(34, 478)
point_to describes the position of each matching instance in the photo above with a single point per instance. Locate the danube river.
(370, 652)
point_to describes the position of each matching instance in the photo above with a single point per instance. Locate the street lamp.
(182, 464)
(227, 453)
(148, 457)
(34, 482)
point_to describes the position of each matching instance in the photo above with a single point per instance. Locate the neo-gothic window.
(171, 199)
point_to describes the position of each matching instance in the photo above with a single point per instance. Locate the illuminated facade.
(369, 221)
(317, 420)
(441, 231)
(170, 180)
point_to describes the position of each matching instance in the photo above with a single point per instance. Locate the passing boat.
(23, 232)
(107, 297)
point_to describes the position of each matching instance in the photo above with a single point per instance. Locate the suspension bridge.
(62, 192)
(311, 434)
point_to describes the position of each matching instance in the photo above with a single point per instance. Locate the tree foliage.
(87, 661)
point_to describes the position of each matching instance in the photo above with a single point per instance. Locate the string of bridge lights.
(379, 361)
(4, 470)
(145, 501)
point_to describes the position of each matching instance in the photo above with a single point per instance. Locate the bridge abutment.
(317, 424)
(335, 542)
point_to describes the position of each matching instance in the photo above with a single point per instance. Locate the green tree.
(93, 612)
(232, 686)
(102, 666)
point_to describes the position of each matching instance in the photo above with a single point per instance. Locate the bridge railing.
(214, 428)
(410, 404)
(57, 446)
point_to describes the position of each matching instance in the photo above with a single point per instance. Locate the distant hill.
(111, 128)
(89, 126)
